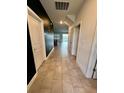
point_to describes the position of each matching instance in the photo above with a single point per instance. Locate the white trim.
(78, 23)
(34, 77)
(92, 56)
(50, 53)
(33, 14)
(32, 80)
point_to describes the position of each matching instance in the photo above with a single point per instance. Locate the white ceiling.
(57, 15)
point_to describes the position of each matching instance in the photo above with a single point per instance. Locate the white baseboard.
(31, 82)
(34, 77)
(49, 53)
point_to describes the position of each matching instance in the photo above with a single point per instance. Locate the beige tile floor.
(60, 74)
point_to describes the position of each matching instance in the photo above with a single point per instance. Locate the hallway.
(61, 74)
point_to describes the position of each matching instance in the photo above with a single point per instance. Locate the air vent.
(62, 5)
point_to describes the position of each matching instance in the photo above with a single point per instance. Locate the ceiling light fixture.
(61, 22)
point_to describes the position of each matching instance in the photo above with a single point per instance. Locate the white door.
(36, 40)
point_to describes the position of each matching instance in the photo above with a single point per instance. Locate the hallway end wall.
(87, 18)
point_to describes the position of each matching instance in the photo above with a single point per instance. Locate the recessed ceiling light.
(61, 22)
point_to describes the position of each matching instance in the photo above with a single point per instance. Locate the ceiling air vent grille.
(62, 5)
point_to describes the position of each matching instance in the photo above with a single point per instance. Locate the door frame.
(92, 58)
(74, 48)
(36, 17)
(40, 23)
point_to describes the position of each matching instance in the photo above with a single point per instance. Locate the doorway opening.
(75, 40)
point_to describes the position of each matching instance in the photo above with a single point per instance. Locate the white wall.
(92, 59)
(87, 18)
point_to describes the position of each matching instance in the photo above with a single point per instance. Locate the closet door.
(36, 35)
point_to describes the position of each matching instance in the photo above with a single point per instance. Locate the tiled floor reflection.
(60, 74)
